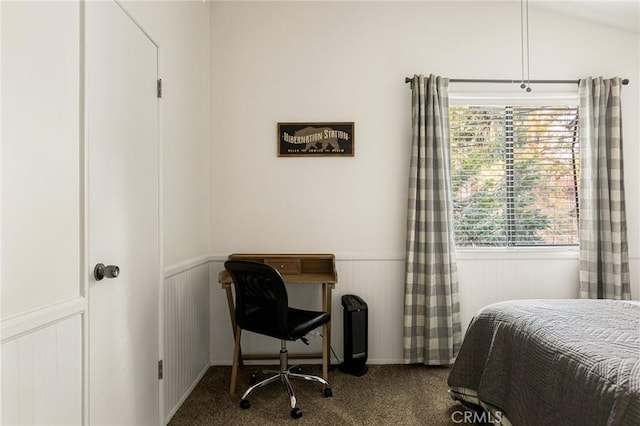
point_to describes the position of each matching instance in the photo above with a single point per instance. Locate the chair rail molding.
(180, 267)
(41, 317)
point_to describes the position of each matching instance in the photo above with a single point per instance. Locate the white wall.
(334, 61)
(42, 227)
(181, 29)
(42, 208)
(41, 152)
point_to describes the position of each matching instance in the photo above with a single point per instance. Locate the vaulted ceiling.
(620, 14)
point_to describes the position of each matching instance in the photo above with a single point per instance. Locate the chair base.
(284, 375)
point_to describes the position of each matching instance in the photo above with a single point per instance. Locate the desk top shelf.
(301, 268)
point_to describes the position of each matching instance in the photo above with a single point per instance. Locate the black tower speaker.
(356, 331)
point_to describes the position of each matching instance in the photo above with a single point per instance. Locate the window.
(515, 173)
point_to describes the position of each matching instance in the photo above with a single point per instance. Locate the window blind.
(515, 173)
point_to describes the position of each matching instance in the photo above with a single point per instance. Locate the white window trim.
(518, 253)
(510, 97)
(515, 99)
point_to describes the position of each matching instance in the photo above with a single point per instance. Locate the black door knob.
(101, 271)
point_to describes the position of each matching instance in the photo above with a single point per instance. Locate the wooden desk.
(295, 269)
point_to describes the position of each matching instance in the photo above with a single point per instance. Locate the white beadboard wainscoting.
(42, 351)
(508, 274)
(193, 296)
(378, 282)
(186, 330)
(485, 277)
(42, 366)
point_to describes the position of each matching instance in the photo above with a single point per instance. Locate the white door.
(123, 218)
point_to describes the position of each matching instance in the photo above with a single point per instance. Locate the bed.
(552, 362)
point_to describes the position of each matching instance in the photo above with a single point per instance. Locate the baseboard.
(228, 363)
(186, 395)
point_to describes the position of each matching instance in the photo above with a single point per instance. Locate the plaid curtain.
(604, 258)
(432, 330)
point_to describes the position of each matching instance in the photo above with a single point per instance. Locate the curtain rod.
(472, 80)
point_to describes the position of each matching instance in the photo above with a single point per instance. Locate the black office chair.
(262, 306)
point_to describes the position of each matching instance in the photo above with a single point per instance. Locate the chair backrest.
(261, 298)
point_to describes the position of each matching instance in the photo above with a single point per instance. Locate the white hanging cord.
(528, 62)
(522, 84)
(524, 35)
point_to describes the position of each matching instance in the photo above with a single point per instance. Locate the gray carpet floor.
(385, 395)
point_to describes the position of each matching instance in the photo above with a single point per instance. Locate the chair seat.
(299, 322)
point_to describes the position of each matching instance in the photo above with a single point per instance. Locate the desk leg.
(236, 360)
(232, 314)
(326, 335)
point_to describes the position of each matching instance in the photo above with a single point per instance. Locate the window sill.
(519, 253)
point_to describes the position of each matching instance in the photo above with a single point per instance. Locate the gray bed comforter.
(554, 362)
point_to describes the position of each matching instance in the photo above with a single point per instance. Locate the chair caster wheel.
(296, 413)
(328, 393)
(244, 404)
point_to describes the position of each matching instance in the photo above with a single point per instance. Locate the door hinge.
(159, 87)
(160, 370)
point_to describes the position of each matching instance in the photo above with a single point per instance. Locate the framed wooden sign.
(316, 139)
